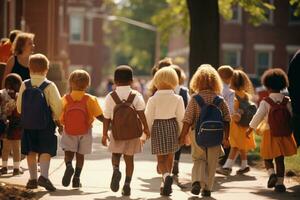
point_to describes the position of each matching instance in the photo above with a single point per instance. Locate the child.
(164, 112)
(239, 143)
(39, 103)
(79, 111)
(275, 145)
(226, 73)
(184, 93)
(12, 140)
(127, 147)
(206, 83)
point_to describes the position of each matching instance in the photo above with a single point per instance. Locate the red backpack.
(279, 118)
(76, 116)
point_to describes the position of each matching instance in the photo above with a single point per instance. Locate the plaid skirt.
(164, 136)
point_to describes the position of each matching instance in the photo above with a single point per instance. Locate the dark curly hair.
(275, 79)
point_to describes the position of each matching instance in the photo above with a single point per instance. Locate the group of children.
(169, 118)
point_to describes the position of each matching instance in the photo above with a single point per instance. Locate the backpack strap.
(69, 98)
(285, 101)
(115, 97)
(270, 101)
(217, 100)
(28, 83)
(199, 100)
(84, 99)
(131, 97)
(44, 85)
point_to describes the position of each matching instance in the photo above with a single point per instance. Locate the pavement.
(145, 184)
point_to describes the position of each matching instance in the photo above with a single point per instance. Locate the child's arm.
(19, 98)
(226, 135)
(149, 112)
(55, 101)
(180, 113)
(143, 119)
(184, 132)
(106, 123)
(260, 114)
(100, 118)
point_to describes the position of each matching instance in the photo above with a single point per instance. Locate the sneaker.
(67, 176)
(32, 184)
(205, 193)
(17, 172)
(196, 188)
(224, 171)
(243, 171)
(126, 191)
(76, 182)
(280, 188)
(272, 181)
(115, 180)
(46, 183)
(3, 170)
(175, 169)
(167, 189)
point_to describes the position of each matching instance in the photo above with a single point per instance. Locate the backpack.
(76, 116)
(248, 110)
(35, 112)
(210, 125)
(184, 94)
(279, 118)
(126, 123)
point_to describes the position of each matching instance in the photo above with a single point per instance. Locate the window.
(232, 54)
(76, 27)
(236, 15)
(292, 18)
(263, 57)
(89, 38)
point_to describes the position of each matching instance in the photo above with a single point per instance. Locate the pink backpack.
(76, 116)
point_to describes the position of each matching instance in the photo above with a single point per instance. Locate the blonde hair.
(240, 81)
(79, 80)
(20, 41)
(165, 78)
(38, 63)
(206, 78)
(225, 72)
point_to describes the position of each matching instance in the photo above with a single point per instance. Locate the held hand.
(60, 130)
(225, 143)
(181, 140)
(105, 138)
(147, 133)
(248, 132)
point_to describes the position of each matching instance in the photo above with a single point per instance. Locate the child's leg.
(232, 155)
(271, 172)
(116, 177)
(170, 159)
(79, 164)
(280, 169)
(115, 160)
(32, 165)
(244, 159)
(16, 148)
(5, 153)
(45, 164)
(129, 171)
(165, 168)
(162, 164)
(69, 155)
(175, 169)
(212, 156)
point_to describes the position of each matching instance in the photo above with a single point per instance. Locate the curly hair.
(275, 79)
(240, 81)
(206, 78)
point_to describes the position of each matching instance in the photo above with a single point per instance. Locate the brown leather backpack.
(126, 124)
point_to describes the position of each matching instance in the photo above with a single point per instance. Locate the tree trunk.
(204, 33)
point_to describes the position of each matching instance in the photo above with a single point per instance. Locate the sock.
(4, 163)
(16, 165)
(45, 168)
(32, 171)
(69, 164)
(271, 171)
(165, 175)
(244, 164)
(77, 171)
(279, 181)
(127, 180)
(229, 163)
(115, 167)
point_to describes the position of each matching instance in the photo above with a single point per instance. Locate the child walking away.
(79, 111)
(164, 112)
(124, 109)
(39, 103)
(208, 115)
(10, 121)
(226, 73)
(243, 112)
(184, 93)
(277, 139)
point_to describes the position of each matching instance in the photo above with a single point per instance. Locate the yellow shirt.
(93, 107)
(51, 92)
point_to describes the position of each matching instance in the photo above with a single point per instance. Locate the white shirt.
(165, 104)
(228, 95)
(264, 108)
(123, 93)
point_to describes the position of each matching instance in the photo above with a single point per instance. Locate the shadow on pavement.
(117, 198)
(200, 198)
(220, 180)
(271, 194)
(60, 192)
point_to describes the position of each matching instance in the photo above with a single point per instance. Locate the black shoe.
(280, 188)
(224, 171)
(205, 193)
(243, 171)
(46, 183)
(32, 184)
(67, 176)
(76, 182)
(272, 181)
(126, 190)
(196, 188)
(3, 170)
(17, 172)
(167, 189)
(115, 180)
(175, 169)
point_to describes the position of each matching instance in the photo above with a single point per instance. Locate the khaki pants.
(205, 163)
(15, 146)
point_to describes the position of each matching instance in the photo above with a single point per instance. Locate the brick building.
(254, 48)
(65, 30)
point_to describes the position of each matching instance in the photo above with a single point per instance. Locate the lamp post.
(134, 23)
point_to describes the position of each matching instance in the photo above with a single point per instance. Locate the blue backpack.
(35, 113)
(210, 125)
